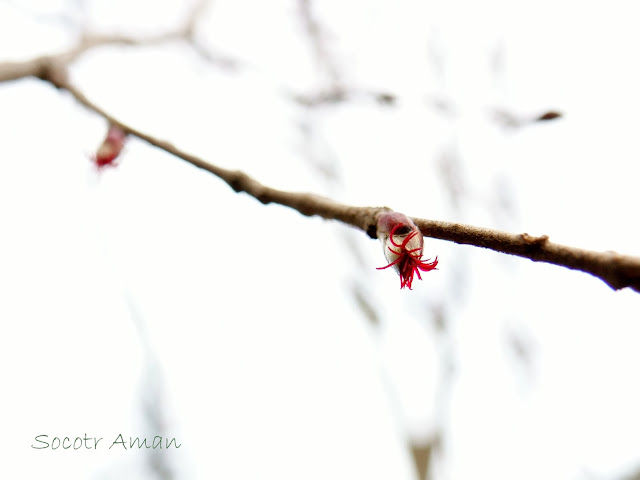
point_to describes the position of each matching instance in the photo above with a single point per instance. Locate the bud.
(110, 149)
(402, 243)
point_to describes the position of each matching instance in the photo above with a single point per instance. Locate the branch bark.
(37, 67)
(616, 270)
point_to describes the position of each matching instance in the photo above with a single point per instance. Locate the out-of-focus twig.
(334, 90)
(40, 66)
(317, 39)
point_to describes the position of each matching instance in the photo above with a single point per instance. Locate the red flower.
(403, 243)
(110, 149)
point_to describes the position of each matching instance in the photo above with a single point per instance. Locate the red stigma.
(409, 262)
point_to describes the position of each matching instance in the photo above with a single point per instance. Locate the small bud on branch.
(110, 148)
(402, 242)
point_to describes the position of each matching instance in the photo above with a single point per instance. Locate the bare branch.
(616, 270)
(317, 38)
(305, 203)
(35, 67)
(334, 90)
(39, 66)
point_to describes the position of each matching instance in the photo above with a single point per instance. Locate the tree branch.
(616, 270)
(37, 67)
(306, 203)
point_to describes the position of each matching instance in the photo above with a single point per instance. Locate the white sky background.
(265, 364)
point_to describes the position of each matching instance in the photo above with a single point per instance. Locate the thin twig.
(39, 66)
(306, 203)
(616, 270)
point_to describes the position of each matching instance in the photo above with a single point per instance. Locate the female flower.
(403, 243)
(110, 149)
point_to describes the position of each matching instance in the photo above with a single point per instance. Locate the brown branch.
(36, 67)
(39, 66)
(616, 270)
(305, 203)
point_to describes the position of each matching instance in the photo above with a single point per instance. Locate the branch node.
(53, 72)
(263, 197)
(534, 241)
(238, 181)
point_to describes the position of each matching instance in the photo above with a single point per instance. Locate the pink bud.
(110, 148)
(402, 242)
